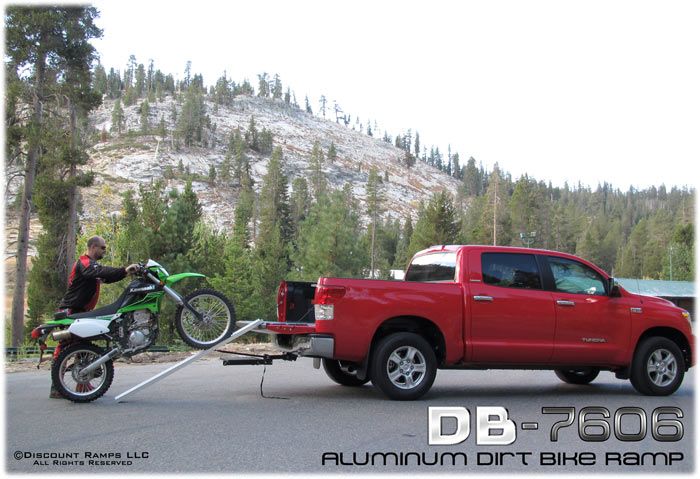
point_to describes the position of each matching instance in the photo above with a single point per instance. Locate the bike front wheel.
(217, 319)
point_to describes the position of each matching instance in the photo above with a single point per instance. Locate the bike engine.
(138, 331)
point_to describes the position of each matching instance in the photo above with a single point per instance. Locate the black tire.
(219, 319)
(70, 384)
(407, 381)
(342, 374)
(658, 367)
(577, 376)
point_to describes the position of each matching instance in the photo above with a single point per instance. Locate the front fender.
(170, 280)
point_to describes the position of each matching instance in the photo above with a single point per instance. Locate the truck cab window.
(573, 277)
(433, 267)
(511, 270)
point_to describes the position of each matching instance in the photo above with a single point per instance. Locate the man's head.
(96, 247)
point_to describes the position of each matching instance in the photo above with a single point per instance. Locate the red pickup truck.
(485, 307)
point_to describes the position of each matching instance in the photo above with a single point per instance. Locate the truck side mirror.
(613, 289)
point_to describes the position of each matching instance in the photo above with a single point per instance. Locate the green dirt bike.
(83, 371)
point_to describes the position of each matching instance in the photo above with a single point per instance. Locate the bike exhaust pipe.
(61, 335)
(99, 362)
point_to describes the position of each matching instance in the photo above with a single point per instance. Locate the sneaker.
(54, 394)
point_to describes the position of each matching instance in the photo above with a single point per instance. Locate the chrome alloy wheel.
(662, 367)
(406, 367)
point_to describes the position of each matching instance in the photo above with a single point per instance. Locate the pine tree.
(471, 183)
(100, 85)
(332, 154)
(140, 83)
(223, 94)
(117, 117)
(252, 136)
(375, 199)
(162, 131)
(456, 168)
(437, 224)
(401, 259)
(318, 177)
(327, 241)
(299, 203)
(263, 85)
(271, 251)
(41, 40)
(323, 101)
(144, 110)
(308, 106)
(277, 88)
(192, 119)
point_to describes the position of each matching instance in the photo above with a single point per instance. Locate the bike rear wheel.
(71, 383)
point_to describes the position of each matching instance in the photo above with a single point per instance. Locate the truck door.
(592, 327)
(512, 316)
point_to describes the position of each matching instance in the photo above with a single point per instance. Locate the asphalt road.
(211, 418)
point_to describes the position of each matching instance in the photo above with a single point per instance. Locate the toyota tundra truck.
(484, 307)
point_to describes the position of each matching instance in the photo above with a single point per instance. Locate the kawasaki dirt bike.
(83, 371)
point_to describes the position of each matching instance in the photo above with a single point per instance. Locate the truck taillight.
(282, 302)
(323, 302)
(328, 294)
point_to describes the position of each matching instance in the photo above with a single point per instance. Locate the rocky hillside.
(123, 162)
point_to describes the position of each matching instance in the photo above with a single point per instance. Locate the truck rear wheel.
(342, 373)
(577, 376)
(658, 367)
(403, 366)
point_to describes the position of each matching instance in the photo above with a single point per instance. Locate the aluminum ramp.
(163, 374)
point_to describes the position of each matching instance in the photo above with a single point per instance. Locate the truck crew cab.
(485, 307)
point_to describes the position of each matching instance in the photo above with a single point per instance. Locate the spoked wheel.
(69, 379)
(217, 322)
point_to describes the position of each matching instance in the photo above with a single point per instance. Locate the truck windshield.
(433, 267)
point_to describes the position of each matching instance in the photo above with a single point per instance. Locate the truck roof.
(509, 249)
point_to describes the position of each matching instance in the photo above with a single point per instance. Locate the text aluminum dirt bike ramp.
(163, 374)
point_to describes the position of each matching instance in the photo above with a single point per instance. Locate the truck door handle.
(564, 302)
(483, 298)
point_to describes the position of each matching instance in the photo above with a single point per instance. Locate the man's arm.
(107, 274)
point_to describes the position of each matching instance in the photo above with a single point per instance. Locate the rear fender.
(170, 280)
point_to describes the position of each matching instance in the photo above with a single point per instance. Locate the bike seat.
(103, 311)
(60, 315)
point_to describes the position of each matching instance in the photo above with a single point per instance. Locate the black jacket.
(84, 284)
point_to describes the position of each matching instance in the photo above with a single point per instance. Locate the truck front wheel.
(342, 373)
(403, 366)
(658, 367)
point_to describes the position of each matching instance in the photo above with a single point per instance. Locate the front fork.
(175, 297)
(182, 303)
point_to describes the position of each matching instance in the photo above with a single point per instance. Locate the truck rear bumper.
(300, 338)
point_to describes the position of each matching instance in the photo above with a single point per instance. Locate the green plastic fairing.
(172, 279)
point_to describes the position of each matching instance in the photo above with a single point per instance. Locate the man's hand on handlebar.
(133, 268)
